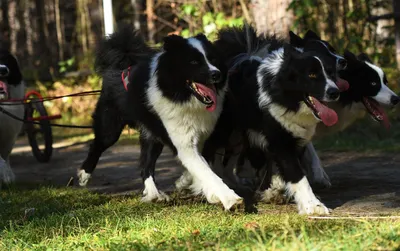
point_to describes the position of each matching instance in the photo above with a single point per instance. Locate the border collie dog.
(272, 85)
(11, 86)
(173, 96)
(281, 103)
(368, 91)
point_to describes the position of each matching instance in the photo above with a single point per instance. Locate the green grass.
(71, 219)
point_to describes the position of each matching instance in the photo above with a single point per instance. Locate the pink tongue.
(342, 84)
(327, 115)
(210, 93)
(3, 87)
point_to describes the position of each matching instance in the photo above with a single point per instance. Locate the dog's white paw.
(151, 193)
(150, 197)
(274, 196)
(313, 207)
(83, 177)
(225, 195)
(184, 181)
(7, 176)
(231, 200)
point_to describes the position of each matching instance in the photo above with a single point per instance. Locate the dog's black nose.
(4, 71)
(333, 93)
(215, 76)
(394, 100)
(342, 63)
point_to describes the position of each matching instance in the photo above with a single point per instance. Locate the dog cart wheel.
(40, 134)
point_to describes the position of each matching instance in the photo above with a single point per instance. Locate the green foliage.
(344, 24)
(66, 65)
(208, 22)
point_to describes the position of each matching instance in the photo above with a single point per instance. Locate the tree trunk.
(137, 9)
(272, 16)
(60, 37)
(151, 28)
(396, 10)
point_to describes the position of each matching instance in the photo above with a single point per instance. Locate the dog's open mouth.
(321, 111)
(204, 94)
(3, 91)
(376, 111)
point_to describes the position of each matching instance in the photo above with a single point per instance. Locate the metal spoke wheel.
(40, 135)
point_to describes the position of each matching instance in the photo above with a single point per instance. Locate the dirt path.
(361, 183)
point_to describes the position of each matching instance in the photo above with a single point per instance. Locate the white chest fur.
(187, 122)
(301, 124)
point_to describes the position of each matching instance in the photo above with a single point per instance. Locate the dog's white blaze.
(385, 94)
(305, 198)
(188, 125)
(257, 139)
(329, 83)
(195, 43)
(271, 64)
(151, 193)
(338, 57)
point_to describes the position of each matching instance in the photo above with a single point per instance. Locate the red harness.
(125, 77)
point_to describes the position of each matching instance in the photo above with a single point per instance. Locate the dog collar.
(125, 77)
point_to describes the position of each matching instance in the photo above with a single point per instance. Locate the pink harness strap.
(125, 77)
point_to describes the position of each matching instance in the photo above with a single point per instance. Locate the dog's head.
(10, 74)
(333, 62)
(194, 62)
(368, 84)
(301, 77)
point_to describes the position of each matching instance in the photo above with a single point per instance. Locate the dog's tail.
(124, 48)
(239, 42)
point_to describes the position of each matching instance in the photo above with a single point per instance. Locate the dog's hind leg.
(107, 125)
(297, 184)
(312, 163)
(6, 174)
(150, 150)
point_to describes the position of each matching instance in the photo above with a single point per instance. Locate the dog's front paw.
(150, 197)
(313, 207)
(83, 177)
(6, 174)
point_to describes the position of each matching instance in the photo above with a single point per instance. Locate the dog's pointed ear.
(311, 35)
(349, 56)
(173, 42)
(295, 40)
(352, 61)
(364, 57)
(15, 76)
(201, 36)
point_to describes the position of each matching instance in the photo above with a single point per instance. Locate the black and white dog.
(368, 91)
(173, 96)
(279, 102)
(11, 87)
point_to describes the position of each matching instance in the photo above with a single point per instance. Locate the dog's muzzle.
(4, 71)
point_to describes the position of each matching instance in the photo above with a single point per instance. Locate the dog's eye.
(312, 75)
(373, 83)
(194, 62)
